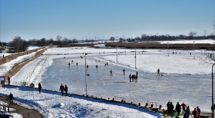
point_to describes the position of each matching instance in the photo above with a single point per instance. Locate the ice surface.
(186, 78)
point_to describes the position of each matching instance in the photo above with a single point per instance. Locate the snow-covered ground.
(208, 41)
(15, 115)
(53, 105)
(4, 68)
(186, 76)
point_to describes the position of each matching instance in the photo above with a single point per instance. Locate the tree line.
(19, 44)
(144, 37)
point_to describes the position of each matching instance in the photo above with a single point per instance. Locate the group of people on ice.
(133, 77)
(183, 109)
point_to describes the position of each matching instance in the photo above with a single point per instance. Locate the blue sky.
(103, 18)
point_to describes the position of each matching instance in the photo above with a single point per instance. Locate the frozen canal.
(186, 74)
(193, 89)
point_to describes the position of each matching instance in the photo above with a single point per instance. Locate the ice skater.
(8, 80)
(111, 72)
(158, 73)
(39, 87)
(129, 77)
(69, 64)
(66, 89)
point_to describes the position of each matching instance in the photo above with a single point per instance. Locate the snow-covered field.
(186, 78)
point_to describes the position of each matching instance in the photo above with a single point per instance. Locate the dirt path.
(26, 112)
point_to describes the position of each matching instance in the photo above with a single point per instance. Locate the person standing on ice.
(62, 89)
(123, 71)
(170, 107)
(198, 109)
(8, 80)
(187, 112)
(158, 72)
(66, 89)
(183, 107)
(129, 77)
(195, 113)
(39, 87)
(111, 72)
(178, 108)
(69, 64)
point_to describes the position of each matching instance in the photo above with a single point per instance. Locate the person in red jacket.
(195, 113)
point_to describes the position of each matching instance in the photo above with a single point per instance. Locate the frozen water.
(181, 81)
(193, 89)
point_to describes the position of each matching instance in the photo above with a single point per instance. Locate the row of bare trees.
(144, 37)
(19, 44)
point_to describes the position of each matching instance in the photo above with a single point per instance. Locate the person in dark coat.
(212, 107)
(183, 106)
(187, 112)
(69, 64)
(198, 109)
(8, 80)
(129, 77)
(66, 89)
(10, 98)
(61, 89)
(178, 108)
(170, 107)
(136, 74)
(111, 72)
(39, 87)
(158, 72)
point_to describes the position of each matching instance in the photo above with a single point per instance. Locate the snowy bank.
(52, 104)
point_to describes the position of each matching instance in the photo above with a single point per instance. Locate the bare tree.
(19, 44)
